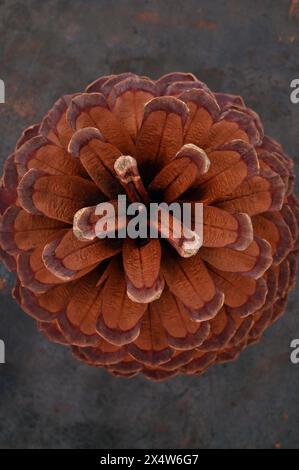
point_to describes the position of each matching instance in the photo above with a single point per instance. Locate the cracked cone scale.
(164, 306)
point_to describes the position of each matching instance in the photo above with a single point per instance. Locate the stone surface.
(47, 398)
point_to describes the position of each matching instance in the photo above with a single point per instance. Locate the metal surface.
(47, 398)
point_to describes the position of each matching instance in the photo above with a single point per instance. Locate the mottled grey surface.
(251, 47)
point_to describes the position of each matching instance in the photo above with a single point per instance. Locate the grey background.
(48, 48)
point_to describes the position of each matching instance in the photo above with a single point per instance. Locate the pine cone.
(157, 306)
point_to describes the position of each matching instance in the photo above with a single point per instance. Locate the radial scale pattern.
(161, 307)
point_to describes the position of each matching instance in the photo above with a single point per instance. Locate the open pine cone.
(158, 307)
